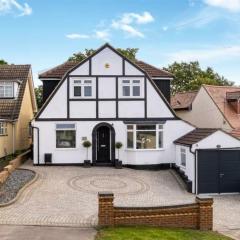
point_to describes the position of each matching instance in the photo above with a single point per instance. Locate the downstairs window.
(183, 157)
(65, 135)
(145, 136)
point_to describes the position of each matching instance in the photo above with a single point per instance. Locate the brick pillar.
(205, 212)
(105, 209)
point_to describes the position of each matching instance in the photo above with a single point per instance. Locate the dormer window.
(131, 88)
(6, 90)
(82, 88)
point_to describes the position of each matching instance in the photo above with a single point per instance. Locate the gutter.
(37, 142)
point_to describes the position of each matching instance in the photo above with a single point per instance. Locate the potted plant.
(118, 146)
(87, 144)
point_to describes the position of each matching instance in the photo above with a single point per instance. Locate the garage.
(221, 174)
(208, 160)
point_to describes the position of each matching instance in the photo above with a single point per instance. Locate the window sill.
(144, 150)
(66, 149)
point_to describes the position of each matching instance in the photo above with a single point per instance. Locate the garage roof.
(195, 136)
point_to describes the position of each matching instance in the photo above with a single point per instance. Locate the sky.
(44, 33)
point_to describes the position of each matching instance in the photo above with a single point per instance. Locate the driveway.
(67, 196)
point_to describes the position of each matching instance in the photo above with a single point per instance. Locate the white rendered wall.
(131, 70)
(57, 107)
(189, 170)
(82, 69)
(82, 109)
(107, 109)
(131, 109)
(156, 108)
(172, 130)
(107, 56)
(107, 87)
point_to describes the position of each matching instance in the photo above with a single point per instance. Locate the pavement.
(45, 233)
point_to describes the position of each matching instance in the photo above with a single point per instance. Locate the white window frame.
(5, 85)
(83, 83)
(65, 129)
(183, 152)
(158, 130)
(3, 129)
(131, 84)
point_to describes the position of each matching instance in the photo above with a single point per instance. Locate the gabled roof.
(218, 95)
(10, 108)
(183, 100)
(195, 136)
(60, 70)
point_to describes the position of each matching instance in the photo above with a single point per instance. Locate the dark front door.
(103, 144)
(218, 171)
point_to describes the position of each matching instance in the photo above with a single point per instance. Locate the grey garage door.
(218, 171)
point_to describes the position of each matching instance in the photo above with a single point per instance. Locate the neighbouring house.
(105, 99)
(210, 107)
(17, 108)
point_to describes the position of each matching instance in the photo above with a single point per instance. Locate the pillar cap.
(105, 194)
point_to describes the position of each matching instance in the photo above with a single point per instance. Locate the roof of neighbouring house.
(60, 70)
(10, 108)
(218, 95)
(195, 136)
(183, 100)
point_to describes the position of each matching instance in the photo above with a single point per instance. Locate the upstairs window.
(82, 88)
(131, 88)
(145, 136)
(6, 89)
(65, 135)
(3, 128)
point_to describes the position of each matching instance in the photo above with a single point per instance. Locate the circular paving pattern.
(116, 183)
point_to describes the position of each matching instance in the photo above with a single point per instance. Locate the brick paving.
(67, 196)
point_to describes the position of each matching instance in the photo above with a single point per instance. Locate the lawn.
(151, 233)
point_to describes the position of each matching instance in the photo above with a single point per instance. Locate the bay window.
(145, 136)
(65, 135)
(6, 89)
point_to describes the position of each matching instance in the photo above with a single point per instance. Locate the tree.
(130, 53)
(39, 93)
(190, 76)
(3, 62)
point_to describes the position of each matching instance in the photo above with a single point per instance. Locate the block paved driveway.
(67, 196)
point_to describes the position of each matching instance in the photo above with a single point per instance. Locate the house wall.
(173, 129)
(22, 138)
(204, 113)
(6, 142)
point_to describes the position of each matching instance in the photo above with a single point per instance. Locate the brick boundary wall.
(198, 215)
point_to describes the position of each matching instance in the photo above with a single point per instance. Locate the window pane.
(77, 81)
(87, 91)
(77, 91)
(65, 126)
(130, 140)
(1, 91)
(146, 127)
(146, 140)
(66, 139)
(126, 90)
(160, 126)
(88, 81)
(136, 91)
(160, 139)
(136, 81)
(183, 157)
(130, 127)
(125, 81)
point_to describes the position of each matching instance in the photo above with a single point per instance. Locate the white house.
(107, 99)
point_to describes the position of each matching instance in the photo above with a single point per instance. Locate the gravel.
(14, 183)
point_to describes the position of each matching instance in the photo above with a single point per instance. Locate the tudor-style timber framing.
(68, 74)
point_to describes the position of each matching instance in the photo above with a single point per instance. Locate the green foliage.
(190, 76)
(39, 93)
(130, 53)
(3, 62)
(154, 233)
(87, 144)
(118, 145)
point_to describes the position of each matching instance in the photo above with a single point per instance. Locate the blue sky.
(45, 33)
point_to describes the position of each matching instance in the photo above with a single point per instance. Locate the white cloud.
(206, 54)
(165, 28)
(77, 36)
(231, 5)
(103, 35)
(9, 6)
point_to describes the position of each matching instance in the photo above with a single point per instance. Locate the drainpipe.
(37, 142)
(195, 169)
(13, 138)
